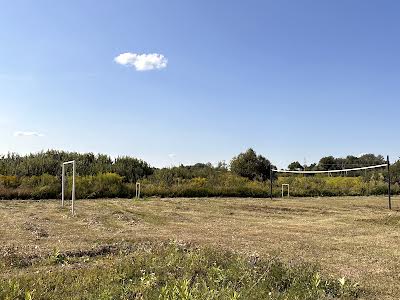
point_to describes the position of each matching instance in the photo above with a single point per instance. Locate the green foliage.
(332, 163)
(217, 184)
(176, 271)
(304, 186)
(175, 175)
(37, 176)
(251, 166)
(395, 172)
(131, 168)
(49, 162)
(295, 166)
(9, 181)
(58, 258)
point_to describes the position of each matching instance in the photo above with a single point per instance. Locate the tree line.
(328, 163)
(49, 162)
(248, 164)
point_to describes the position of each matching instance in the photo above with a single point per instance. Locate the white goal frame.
(288, 189)
(137, 191)
(63, 184)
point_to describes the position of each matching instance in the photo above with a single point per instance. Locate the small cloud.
(28, 133)
(142, 62)
(172, 155)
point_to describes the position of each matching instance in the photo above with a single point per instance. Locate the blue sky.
(293, 79)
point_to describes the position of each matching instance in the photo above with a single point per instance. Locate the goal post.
(288, 189)
(64, 164)
(137, 190)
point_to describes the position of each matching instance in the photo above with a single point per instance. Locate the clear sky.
(293, 79)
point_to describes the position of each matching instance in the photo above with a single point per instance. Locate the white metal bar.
(137, 192)
(73, 187)
(73, 184)
(330, 171)
(62, 185)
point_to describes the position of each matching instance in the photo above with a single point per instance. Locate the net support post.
(389, 185)
(73, 188)
(62, 185)
(270, 181)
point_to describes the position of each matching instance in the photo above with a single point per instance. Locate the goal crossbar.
(331, 171)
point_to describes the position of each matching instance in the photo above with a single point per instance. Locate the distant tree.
(371, 159)
(131, 168)
(295, 166)
(351, 161)
(311, 167)
(395, 171)
(251, 165)
(327, 163)
(222, 165)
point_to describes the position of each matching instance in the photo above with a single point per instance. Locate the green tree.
(327, 163)
(251, 165)
(131, 168)
(294, 166)
(395, 171)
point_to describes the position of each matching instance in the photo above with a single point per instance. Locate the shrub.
(9, 181)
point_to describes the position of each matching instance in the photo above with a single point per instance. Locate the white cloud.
(142, 62)
(172, 155)
(28, 133)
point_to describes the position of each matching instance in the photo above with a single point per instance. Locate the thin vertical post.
(73, 187)
(389, 187)
(270, 181)
(62, 185)
(137, 193)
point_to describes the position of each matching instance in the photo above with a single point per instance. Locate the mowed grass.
(352, 237)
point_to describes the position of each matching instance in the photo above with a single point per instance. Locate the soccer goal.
(72, 162)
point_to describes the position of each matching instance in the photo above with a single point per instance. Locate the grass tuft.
(171, 271)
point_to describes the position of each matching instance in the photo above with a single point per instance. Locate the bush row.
(109, 185)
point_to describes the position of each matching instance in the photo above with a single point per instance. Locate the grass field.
(351, 237)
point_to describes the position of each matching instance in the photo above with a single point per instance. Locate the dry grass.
(356, 237)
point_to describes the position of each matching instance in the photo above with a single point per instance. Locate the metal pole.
(389, 187)
(73, 186)
(62, 186)
(270, 180)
